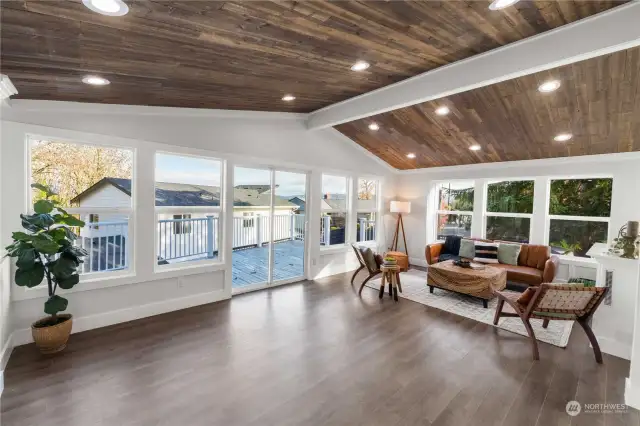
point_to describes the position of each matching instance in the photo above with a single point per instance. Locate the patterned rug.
(414, 287)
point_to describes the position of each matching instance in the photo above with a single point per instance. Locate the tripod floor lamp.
(400, 207)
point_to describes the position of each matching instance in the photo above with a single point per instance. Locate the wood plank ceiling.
(248, 54)
(598, 102)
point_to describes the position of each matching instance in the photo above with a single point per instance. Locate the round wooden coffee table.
(390, 276)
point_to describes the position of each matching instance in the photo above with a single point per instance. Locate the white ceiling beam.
(607, 32)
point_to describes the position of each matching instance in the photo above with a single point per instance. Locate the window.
(182, 223)
(509, 210)
(247, 221)
(95, 184)
(455, 208)
(188, 205)
(579, 211)
(334, 204)
(366, 210)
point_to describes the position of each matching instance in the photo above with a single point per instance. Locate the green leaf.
(55, 304)
(71, 221)
(43, 206)
(69, 282)
(64, 267)
(77, 251)
(36, 222)
(27, 259)
(44, 245)
(21, 236)
(31, 277)
(58, 234)
(47, 191)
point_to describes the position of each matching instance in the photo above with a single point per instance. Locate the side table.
(391, 277)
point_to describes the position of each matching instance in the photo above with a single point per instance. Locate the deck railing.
(182, 239)
(366, 231)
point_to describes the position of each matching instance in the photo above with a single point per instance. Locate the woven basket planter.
(52, 339)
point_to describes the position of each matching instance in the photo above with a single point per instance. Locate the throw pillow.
(508, 253)
(467, 248)
(369, 258)
(452, 245)
(486, 252)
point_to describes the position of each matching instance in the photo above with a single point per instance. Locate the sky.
(203, 171)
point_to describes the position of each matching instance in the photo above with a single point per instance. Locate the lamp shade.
(400, 207)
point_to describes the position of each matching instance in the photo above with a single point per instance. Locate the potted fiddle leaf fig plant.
(46, 252)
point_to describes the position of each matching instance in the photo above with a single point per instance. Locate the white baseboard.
(614, 347)
(418, 261)
(631, 394)
(23, 337)
(4, 358)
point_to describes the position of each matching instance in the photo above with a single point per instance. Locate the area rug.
(414, 287)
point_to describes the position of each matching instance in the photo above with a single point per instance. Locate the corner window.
(333, 221)
(94, 183)
(579, 211)
(188, 206)
(455, 208)
(366, 210)
(509, 210)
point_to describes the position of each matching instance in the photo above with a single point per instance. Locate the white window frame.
(345, 211)
(84, 212)
(549, 217)
(190, 210)
(500, 214)
(439, 212)
(375, 210)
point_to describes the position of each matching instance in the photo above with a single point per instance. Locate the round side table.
(391, 277)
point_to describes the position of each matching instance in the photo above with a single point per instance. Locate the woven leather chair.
(562, 302)
(372, 269)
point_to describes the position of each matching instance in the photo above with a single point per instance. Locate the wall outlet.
(180, 283)
(313, 261)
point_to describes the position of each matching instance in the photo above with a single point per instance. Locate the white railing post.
(293, 226)
(258, 227)
(210, 237)
(363, 230)
(327, 230)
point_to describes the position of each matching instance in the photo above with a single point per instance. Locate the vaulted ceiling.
(248, 54)
(598, 102)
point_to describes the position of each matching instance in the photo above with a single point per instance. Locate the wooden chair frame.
(363, 265)
(528, 311)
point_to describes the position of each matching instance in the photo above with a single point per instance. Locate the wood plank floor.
(312, 353)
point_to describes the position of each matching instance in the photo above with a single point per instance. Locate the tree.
(68, 169)
(366, 189)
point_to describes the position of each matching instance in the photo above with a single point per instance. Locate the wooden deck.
(250, 266)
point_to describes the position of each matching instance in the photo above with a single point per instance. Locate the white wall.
(5, 285)
(625, 203)
(257, 139)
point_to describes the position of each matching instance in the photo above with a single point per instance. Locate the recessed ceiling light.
(475, 147)
(443, 110)
(95, 80)
(288, 98)
(563, 137)
(374, 126)
(411, 155)
(501, 4)
(549, 86)
(360, 66)
(107, 7)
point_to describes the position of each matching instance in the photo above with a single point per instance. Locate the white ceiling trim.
(607, 32)
(117, 109)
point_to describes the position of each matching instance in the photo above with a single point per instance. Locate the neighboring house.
(188, 231)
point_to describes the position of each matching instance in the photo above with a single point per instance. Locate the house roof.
(180, 194)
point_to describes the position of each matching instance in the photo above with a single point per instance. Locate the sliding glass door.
(269, 227)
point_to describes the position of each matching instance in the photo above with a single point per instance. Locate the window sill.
(577, 261)
(99, 283)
